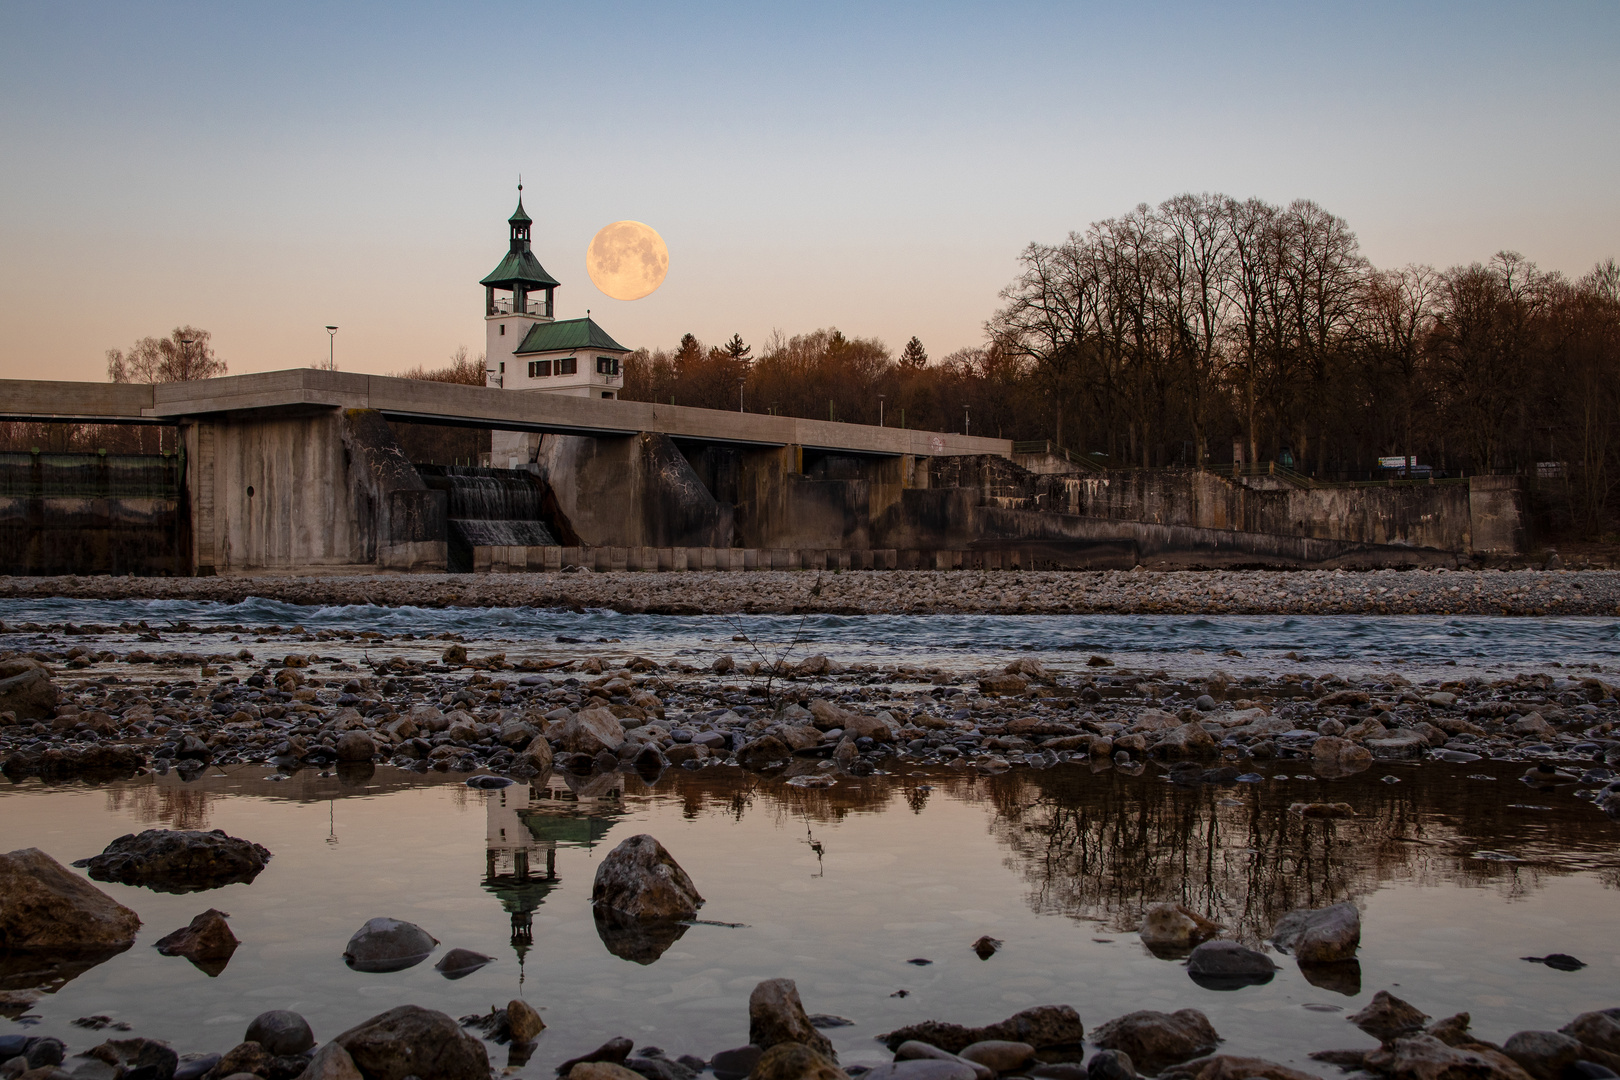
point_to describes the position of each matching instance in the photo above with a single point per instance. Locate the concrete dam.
(301, 471)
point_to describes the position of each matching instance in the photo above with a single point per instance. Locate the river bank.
(1214, 592)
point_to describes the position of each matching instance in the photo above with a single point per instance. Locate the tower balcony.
(532, 305)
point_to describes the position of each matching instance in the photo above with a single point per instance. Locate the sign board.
(1394, 462)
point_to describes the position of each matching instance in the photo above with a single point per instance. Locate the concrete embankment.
(1415, 592)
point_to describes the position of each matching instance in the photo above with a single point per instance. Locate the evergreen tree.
(914, 358)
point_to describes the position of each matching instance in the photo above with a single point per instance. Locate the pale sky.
(261, 171)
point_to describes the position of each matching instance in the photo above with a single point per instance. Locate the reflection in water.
(525, 825)
(48, 972)
(1101, 848)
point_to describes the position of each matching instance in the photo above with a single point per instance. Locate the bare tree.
(185, 355)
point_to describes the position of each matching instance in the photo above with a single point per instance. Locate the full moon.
(627, 260)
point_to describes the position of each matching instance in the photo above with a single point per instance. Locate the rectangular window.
(539, 369)
(503, 329)
(568, 365)
(607, 365)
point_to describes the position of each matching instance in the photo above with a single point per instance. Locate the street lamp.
(185, 345)
(331, 348)
(880, 409)
(964, 420)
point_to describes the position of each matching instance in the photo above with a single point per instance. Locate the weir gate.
(300, 471)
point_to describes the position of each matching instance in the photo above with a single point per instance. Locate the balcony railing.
(532, 306)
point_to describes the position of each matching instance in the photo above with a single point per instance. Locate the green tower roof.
(567, 334)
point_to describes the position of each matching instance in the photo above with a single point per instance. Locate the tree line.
(1210, 330)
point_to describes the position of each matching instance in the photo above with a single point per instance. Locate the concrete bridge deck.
(309, 389)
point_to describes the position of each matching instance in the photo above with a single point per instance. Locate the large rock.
(1171, 929)
(998, 1055)
(1387, 1017)
(413, 1041)
(918, 1069)
(385, 944)
(207, 942)
(1041, 1026)
(1543, 1054)
(44, 906)
(1339, 757)
(796, 1061)
(914, 1050)
(763, 751)
(1186, 741)
(1320, 936)
(280, 1032)
(1230, 1067)
(355, 746)
(31, 695)
(178, 861)
(155, 1059)
(1424, 1057)
(331, 1062)
(1155, 1039)
(1226, 965)
(775, 1015)
(523, 1021)
(642, 880)
(590, 732)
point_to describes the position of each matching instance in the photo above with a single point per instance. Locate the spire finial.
(520, 183)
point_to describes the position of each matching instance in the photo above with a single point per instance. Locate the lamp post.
(331, 348)
(880, 409)
(964, 420)
(185, 350)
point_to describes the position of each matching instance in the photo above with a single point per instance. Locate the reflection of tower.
(524, 827)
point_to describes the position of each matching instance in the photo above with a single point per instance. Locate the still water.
(1459, 872)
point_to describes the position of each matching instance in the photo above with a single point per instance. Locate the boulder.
(331, 1062)
(998, 1055)
(1229, 1067)
(1172, 929)
(614, 1050)
(642, 880)
(178, 861)
(46, 907)
(1387, 1017)
(244, 1058)
(280, 1032)
(795, 1061)
(459, 963)
(914, 1050)
(523, 1021)
(1155, 1039)
(1186, 741)
(590, 732)
(775, 1015)
(206, 941)
(602, 1070)
(413, 1041)
(919, 1069)
(1424, 1057)
(30, 695)
(1106, 1065)
(1226, 965)
(1003, 684)
(1600, 1029)
(156, 1059)
(1321, 936)
(385, 944)
(1340, 756)
(1545, 1055)
(1041, 1027)
(762, 752)
(1399, 746)
(355, 746)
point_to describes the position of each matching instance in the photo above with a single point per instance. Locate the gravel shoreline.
(1317, 592)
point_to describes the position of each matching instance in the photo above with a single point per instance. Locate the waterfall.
(489, 508)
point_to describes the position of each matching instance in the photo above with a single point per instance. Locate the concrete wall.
(631, 491)
(313, 490)
(1485, 515)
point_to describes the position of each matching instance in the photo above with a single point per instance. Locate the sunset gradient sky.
(263, 171)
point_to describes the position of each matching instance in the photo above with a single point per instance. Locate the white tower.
(525, 298)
